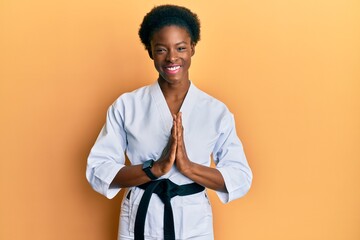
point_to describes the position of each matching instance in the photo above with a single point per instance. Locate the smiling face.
(171, 50)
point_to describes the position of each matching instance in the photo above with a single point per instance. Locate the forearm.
(206, 176)
(129, 176)
(133, 175)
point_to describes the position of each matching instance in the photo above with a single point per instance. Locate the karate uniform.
(139, 124)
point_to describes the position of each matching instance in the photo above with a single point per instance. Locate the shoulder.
(211, 104)
(130, 98)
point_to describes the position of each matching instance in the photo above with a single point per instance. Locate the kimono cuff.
(234, 189)
(104, 175)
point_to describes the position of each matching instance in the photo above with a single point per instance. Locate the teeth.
(173, 68)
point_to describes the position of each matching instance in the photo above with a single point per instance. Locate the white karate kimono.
(139, 124)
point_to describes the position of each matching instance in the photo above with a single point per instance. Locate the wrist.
(146, 167)
(157, 169)
(187, 169)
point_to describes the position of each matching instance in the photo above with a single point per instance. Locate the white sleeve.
(107, 155)
(230, 160)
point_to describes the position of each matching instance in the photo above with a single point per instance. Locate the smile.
(172, 69)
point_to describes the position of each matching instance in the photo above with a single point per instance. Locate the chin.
(171, 79)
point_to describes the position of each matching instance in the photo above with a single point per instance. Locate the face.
(172, 50)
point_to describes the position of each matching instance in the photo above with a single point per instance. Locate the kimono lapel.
(164, 111)
(162, 107)
(188, 104)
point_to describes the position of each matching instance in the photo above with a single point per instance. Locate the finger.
(174, 126)
(180, 128)
(173, 151)
(174, 131)
(180, 137)
(172, 144)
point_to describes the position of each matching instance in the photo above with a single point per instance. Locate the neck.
(174, 91)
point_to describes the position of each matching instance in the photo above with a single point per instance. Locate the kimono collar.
(164, 111)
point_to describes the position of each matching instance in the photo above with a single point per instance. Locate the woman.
(169, 130)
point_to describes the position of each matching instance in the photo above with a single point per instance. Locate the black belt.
(166, 190)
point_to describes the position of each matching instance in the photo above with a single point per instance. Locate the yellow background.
(288, 70)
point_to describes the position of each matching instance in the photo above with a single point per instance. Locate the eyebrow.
(161, 44)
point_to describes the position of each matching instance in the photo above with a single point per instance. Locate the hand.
(167, 159)
(182, 161)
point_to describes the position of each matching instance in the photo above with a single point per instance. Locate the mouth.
(172, 69)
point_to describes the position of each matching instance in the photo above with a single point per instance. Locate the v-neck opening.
(164, 109)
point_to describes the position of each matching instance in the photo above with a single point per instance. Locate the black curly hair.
(167, 15)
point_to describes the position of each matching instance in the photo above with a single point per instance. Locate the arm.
(107, 157)
(129, 176)
(231, 161)
(232, 177)
(106, 170)
(206, 176)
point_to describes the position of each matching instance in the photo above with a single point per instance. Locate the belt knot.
(166, 190)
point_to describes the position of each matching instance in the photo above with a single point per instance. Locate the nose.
(171, 56)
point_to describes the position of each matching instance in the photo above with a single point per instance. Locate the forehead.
(171, 34)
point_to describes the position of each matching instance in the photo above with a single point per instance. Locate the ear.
(150, 52)
(192, 49)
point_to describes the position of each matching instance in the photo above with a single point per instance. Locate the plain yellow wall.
(288, 70)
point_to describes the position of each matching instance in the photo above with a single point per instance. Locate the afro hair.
(167, 15)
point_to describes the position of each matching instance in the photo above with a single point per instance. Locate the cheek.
(157, 66)
(188, 62)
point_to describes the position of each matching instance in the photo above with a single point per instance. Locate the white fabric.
(139, 124)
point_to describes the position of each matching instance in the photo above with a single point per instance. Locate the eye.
(160, 50)
(180, 49)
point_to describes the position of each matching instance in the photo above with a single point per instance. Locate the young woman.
(168, 130)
